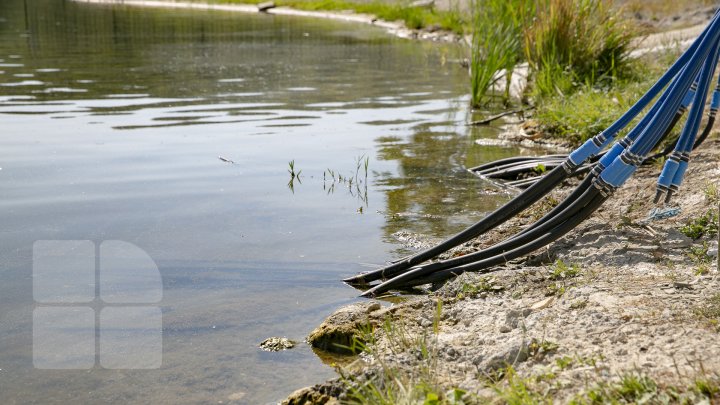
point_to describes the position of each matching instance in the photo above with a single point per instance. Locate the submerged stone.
(276, 344)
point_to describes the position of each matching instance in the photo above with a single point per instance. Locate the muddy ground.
(631, 297)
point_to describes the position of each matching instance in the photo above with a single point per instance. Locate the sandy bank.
(631, 300)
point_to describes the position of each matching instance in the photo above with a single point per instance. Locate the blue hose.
(594, 145)
(624, 165)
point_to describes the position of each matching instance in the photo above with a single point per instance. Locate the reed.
(572, 43)
(496, 44)
(566, 43)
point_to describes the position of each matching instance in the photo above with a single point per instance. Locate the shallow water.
(112, 122)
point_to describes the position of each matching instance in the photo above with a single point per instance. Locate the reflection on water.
(113, 120)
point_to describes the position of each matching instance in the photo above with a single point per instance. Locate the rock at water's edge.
(337, 333)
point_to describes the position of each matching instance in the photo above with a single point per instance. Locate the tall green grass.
(576, 42)
(567, 44)
(496, 44)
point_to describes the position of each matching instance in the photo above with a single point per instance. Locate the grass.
(413, 17)
(590, 109)
(497, 28)
(628, 388)
(633, 388)
(294, 175)
(585, 113)
(573, 43)
(390, 385)
(568, 44)
(356, 183)
(518, 391)
(705, 225)
(475, 288)
(701, 259)
(562, 271)
(712, 195)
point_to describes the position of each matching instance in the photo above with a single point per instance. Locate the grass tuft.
(496, 44)
(706, 225)
(576, 42)
(562, 271)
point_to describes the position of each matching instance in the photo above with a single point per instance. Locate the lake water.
(112, 122)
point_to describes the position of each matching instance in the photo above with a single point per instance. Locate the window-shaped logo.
(70, 280)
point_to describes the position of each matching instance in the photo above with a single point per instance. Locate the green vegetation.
(586, 112)
(496, 44)
(701, 259)
(412, 17)
(712, 194)
(568, 44)
(629, 388)
(638, 388)
(518, 391)
(294, 175)
(560, 274)
(391, 385)
(483, 285)
(562, 271)
(571, 43)
(706, 225)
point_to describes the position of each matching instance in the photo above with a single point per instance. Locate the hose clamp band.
(568, 166)
(624, 143)
(599, 139)
(603, 187)
(631, 158)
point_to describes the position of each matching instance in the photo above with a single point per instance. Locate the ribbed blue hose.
(594, 145)
(622, 167)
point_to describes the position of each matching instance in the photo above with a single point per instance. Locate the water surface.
(112, 122)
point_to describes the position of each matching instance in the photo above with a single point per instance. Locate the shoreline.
(396, 29)
(620, 297)
(629, 308)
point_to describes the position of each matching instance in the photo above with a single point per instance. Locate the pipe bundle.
(605, 163)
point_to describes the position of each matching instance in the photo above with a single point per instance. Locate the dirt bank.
(630, 298)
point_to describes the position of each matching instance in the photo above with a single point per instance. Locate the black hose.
(497, 217)
(494, 163)
(496, 250)
(524, 162)
(551, 236)
(705, 133)
(530, 167)
(665, 152)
